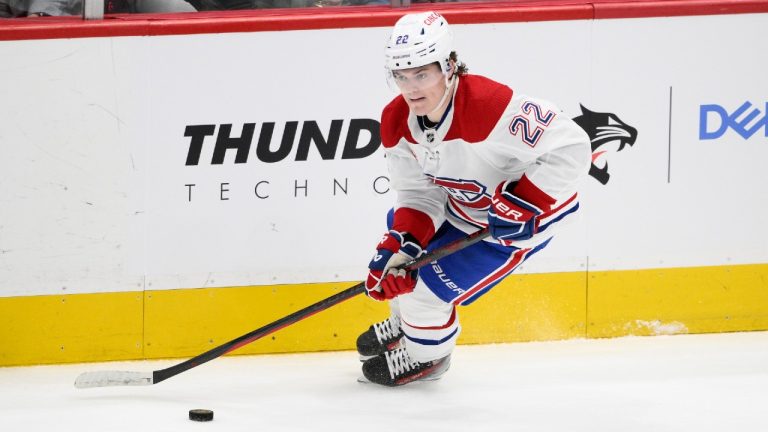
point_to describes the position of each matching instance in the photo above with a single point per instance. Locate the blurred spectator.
(365, 2)
(13, 8)
(265, 4)
(146, 6)
(38, 8)
(42, 8)
(162, 6)
(208, 5)
(55, 7)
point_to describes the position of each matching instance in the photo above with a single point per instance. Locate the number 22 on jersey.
(530, 123)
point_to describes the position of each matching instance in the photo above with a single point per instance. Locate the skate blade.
(363, 380)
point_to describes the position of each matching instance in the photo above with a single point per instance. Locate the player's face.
(422, 87)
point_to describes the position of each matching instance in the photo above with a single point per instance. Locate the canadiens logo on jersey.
(608, 134)
(468, 192)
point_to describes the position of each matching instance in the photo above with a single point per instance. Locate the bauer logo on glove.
(385, 281)
(511, 217)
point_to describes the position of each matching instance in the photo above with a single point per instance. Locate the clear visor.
(416, 78)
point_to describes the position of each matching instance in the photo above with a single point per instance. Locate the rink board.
(535, 307)
(674, 300)
(119, 241)
(71, 328)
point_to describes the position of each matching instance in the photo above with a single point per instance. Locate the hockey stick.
(127, 378)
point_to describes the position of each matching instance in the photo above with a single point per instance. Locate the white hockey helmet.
(419, 39)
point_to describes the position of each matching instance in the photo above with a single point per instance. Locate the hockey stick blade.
(125, 378)
(112, 378)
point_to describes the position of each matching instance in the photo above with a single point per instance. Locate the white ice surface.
(651, 384)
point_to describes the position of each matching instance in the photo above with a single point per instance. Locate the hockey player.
(463, 153)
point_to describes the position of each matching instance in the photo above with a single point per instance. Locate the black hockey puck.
(201, 415)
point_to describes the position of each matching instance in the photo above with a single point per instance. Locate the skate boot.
(395, 368)
(380, 338)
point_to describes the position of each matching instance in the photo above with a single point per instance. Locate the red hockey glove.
(511, 217)
(384, 282)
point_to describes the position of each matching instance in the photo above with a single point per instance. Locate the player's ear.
(451, 67)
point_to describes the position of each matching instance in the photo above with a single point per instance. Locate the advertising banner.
(236, 159)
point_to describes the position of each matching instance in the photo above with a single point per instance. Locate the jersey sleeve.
(557, 150)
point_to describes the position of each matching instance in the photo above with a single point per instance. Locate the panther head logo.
(604, 129)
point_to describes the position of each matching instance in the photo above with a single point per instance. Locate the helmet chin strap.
(448, 85)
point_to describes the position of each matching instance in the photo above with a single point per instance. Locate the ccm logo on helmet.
(431, 18)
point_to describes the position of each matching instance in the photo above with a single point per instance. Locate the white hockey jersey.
(489, 134)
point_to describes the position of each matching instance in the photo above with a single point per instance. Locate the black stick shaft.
(164, 374)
